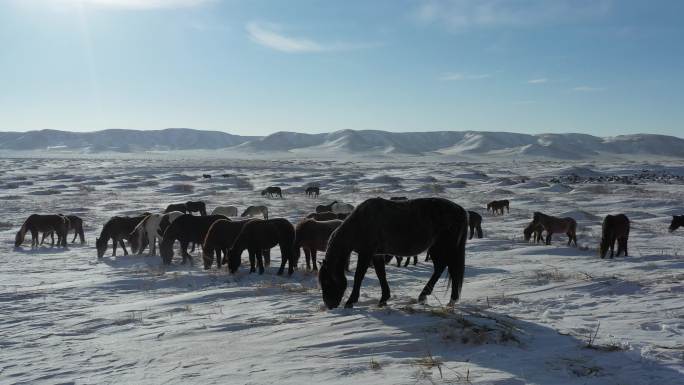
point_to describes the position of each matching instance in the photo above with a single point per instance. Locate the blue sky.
(255, 67)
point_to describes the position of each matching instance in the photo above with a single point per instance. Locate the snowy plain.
(530, 314)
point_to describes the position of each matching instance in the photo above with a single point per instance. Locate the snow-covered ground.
(529, 313)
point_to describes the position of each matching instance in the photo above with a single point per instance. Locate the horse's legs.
(184, 252)
(472, 231)
(283, 260)
(123, 246)
(267, 257)
(548, 237)
(307, 256)
(415, 260)
(439, 266)
(408, 259)
(52, 238)
(479, 231)
(624, 245)
(361, 267)
(260, 262)
(313, 259)
(252, 261)
(379, 265)
(42, 240)
(114, 242)
(398, 260)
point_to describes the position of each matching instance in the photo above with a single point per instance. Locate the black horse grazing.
(475, 223)
(219, 239)
(378, 227)
(176, 207)
(117, 229)
(534, 228)
(327, 216)
(75, 223)
(272, 191)
(196, 206)
(36, 223)
(186, 228)
(677, 221)
(615, 228)
(325, 208)
(313, 191)
(258, 236)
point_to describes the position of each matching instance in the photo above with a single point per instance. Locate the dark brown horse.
(196, 207)
(325, 208)
(312, 236)
(176, 207)
(379, 227)
(615, 228)
(219, 239)
(313, 191)
(75, 223)
(536, 229)
(475, 224)
(327, 216)
(553, 225)
(117, 229)
(36, 223)
(186, 228)
(499, 206)
(677, 221)
(272, 191)
(258, 236)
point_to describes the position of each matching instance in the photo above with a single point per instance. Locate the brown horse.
(36, 223)
(272, 191)
(258, 236)
(615, 228)
(220, 237)
(379, 227)
(196, 207)
(313, 191)
(75, 223)
(553, 225)
(536, 229)
(313, 235)
(499, 206)
(117, 229)
(186, 228)
(327, 216)
(677, 221)
(325, 208)
(475, 224)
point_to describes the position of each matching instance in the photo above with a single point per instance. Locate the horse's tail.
(139, 233)
(456, 265)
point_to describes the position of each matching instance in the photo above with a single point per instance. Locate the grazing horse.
(552, 225)
(196, 206)
(313, 235)
(117, 229)
(258, 236)
(325, 208)
(75, 223)
(340, 207)
(229, 211)
(176, 207)
(405, 228)
(536, 229)
(327, 216)
(272, 191)
(219, 239)
(615, 228)
(677, 221)
(186, 228)
(313, 191)
(255, 210)
(475, 223)
(498, 206)
(151, 227)
(36, 223)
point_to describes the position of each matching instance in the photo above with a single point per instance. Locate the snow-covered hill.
(445, 144)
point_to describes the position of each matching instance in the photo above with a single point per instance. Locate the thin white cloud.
(587, 89)
(538, 81)
(139, 4)
(458, 76)
(463, 14)
(270, 36)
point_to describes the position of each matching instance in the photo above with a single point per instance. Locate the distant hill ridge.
(363, 142)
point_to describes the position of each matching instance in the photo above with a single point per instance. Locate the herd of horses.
(378, 230)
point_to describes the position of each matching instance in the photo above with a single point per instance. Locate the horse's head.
(264, 192)
(19, 238)
(166, 251)
(101, 244)
(527, 233)
(333, 284)
(234, 260)
(603, 248)
(208, 257)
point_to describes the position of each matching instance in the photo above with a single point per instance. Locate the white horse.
(229, 211)
(255, 210)
(342, 208)
(150, 227)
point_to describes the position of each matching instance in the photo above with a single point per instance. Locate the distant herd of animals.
(378, 230)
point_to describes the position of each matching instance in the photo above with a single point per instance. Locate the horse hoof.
(421, 299)
(451, 304)
(280, 272)
(348, 305)
(382, 303)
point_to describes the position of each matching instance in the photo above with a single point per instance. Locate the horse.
(325, 208)
(312, 191)
(196, 206)
(255, 210)
(475, 223)
(327, 216)
(206, 176)
(75, 223)
(340, 207)
(176, 207)
(117, 229)
(677, 221)
(258, 236)
(313, 235)
(405, 228)
(615, 228)
(151, 227)
(536, 229)
(272, 191)
(498, 206)
(186, 228)
(220, 237)
(36, 223)
(229, 211)
(552, 225)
